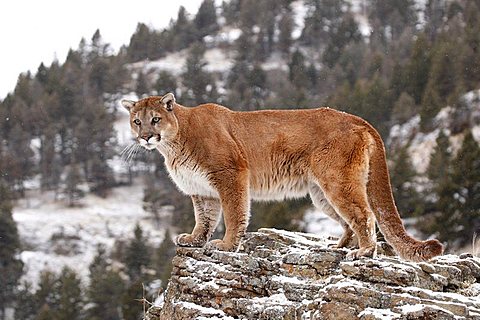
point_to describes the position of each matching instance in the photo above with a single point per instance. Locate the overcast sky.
(33, 31)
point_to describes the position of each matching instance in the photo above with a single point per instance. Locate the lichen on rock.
(287, 275)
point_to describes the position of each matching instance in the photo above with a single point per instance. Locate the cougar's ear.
(128, 104)
(169, 101)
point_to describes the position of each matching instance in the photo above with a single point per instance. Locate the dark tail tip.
(431, 248)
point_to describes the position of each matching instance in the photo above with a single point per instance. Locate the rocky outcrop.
(285, 275)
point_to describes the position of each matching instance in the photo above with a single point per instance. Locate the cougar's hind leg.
(207, 214)
(321, 203)
(344, 183)
(354, 209)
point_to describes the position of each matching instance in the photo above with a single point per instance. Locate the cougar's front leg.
(207, 213)
(232, 187)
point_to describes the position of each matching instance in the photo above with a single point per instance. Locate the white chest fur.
(191, 182)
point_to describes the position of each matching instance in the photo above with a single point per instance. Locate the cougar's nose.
(146, 137)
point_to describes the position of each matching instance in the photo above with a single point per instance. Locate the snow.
(401, 133)
(55, 236)
(476, 133)
(360, 15)
(275, 62)
(227, 34)
(58, 236)
(299, 238)
(318, 223)
(451, 296)
(422, 144)
(278, 298)
(385, 314)
(421, 148)
(204, 310)
(419, 307)
(218, 60)
(285, 279)
(299, 13)
(174, 63)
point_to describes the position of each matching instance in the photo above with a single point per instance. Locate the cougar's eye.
(137, 122)
(155, 120)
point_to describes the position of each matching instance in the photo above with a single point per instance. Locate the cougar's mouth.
(151, 143)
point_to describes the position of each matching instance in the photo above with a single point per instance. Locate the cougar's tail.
(381, 201)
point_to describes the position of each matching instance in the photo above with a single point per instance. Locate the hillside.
(285, 275)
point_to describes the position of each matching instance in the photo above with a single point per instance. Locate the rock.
(287, 275)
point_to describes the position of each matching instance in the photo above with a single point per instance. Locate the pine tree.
(282, 215)
(402, 174)
(137, 255)
(166, 82)
(390, 18)
(435, 11)
(206, 19)
(138, 48)
(101, 175)
(297, 95)
(49, 161)
(471, 60)
(131, 305)
(443, 84)
(183, 31)
(46, 313)
(404, 108)
(195, 78)
(440, 172)
(11, 267)
(22, 155)
(440, 160)
(418, 68)
(46, 295)
(105, 289)
(339, 38)
(72, 181)
(466, 178)
(296, 69)
(142, 86)
(374, 104)
(285, 27)
(322, 19)
(163, 258)
(70, 300)
(25, 306)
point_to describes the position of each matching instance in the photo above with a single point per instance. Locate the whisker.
(128, 153)
(131, 154)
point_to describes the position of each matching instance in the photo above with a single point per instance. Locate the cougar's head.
(152, 119)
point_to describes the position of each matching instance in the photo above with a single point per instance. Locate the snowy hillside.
(55, 236)
(421, 144)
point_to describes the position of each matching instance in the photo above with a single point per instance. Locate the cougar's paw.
(347, 242)
(221, 245)
(188, 240)
(369, 252)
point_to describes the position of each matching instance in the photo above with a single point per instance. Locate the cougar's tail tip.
(424, 251)
(432, 248)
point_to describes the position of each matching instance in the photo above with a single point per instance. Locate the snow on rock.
(278, 274)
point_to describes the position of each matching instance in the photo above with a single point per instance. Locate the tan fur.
(223, 159)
